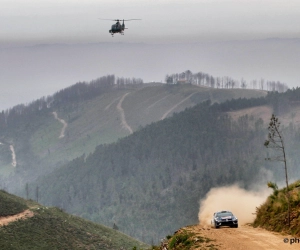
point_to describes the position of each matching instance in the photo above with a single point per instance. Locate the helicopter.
(118, 27)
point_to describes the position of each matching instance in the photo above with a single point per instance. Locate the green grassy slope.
(11, 204)
(187, 238)
(94, 121)
(51, 228)
(98, 121)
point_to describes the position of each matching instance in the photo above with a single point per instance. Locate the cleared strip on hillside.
(153, 104)
(63, 122)
(122, 113)
(13, 156)
(175, 106)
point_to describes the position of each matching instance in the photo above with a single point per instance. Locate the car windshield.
(224, 214)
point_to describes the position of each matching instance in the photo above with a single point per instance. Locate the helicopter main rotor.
(118, 27)
(119, 20)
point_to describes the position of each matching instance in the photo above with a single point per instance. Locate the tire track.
(176, 105)
(108, 106)
(158, 101)
(121, 110)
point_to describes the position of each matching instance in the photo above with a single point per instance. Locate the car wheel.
(216, 226)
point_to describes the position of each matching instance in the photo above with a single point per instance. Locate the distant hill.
(53, 130)
(50, 228)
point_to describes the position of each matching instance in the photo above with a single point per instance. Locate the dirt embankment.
(8, 219)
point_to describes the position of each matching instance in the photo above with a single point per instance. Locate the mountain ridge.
(40, 227)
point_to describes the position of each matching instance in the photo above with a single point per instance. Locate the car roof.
(224, 211)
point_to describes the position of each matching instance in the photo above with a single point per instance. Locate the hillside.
(150, 181)
(158, 173)
(51, 228)
(118, 113)
(56, 129)
(272, 215)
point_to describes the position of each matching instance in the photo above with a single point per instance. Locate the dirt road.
(122, 113)
(8, 219)
(63, 122)
(246, 238)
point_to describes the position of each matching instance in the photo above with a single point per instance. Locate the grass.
(272, 215)
(51, 228)
(10, 204)
(46, 137)
(184, 239)
(97, 121)
(90, 124)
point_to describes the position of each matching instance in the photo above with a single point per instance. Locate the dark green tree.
(275, 142)
(115, 227)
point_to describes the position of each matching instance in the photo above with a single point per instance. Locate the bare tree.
(275, 142)
(261, 83)
(37, 193)
(27, 191)
(243, 84)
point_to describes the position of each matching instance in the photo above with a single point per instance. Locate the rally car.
(224, 218)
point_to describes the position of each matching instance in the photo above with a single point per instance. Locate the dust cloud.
(239, 201)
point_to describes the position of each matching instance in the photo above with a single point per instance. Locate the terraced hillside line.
(175, 106)
(158, 101)
(121, 110)
(8, 219)
(65, 125)
(108, 106)
(13, 156)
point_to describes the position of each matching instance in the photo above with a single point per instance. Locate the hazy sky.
(74, 21)
(27, 73)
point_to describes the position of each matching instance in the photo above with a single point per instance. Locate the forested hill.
(150, 183)
(45, 134)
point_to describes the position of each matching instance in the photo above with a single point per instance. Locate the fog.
(30, 72)
(163, 21)
(47, 45)
(240, 202)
